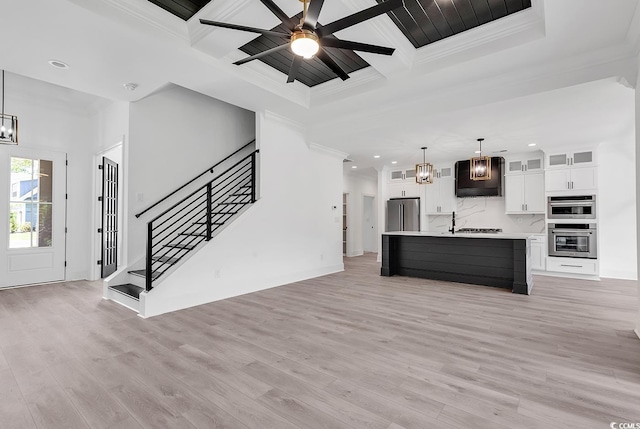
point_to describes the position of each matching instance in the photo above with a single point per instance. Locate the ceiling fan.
(308, 39)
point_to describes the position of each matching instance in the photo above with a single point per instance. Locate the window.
(30, 203)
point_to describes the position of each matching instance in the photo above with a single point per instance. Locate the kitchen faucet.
(453, 223)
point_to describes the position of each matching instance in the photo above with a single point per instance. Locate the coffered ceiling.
(558, 72)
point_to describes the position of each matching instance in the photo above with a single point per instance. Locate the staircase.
(186, 226)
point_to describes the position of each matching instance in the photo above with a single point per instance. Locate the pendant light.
(480, 165)
(9, 125)
(424, 171)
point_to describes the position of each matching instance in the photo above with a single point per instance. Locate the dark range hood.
(465, 187)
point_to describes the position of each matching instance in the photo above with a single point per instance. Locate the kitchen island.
(495, 259)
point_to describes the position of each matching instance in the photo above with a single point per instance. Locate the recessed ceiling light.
(376, 156)
(531, 144)
(130, 86)
(394, 162)
(354, 166)
(58, 64)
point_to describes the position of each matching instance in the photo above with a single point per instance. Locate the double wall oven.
(576, 236)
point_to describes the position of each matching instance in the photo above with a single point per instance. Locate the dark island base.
(483, 261)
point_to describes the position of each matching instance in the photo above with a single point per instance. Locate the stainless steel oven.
(574, 207)
(573, 240)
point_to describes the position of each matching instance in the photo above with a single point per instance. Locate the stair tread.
(194, 234)
(169, 259)
(143, 273)
(234, 203)
(129, 289)
(204, 223)
(181, 246)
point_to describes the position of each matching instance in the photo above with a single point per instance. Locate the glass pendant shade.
(8, 123)
(480, 166)
(424, 171)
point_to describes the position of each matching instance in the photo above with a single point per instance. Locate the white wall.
(637, 193)
(174, 135)
(61, 120)
(356, 187)
(293, 232)
(616, 207)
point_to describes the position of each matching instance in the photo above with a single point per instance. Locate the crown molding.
(327, 91)
(221, 10)
(328, 151)
(288, 122)
(527, 22)
(144, 11)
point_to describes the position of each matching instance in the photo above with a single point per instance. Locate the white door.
(32, 204)
(558, 180)
(534, 193)
(514, 193)
(368, 225)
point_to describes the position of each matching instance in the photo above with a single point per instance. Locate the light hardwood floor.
(352, 350)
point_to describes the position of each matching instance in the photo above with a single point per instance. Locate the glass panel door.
(32, 243)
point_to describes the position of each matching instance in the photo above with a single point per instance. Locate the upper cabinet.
(524, 193)
(441, 194)
(583, 158)
(525, 164)
(401, 175)
(403, 190)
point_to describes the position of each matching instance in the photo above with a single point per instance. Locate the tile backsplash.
(486, 212)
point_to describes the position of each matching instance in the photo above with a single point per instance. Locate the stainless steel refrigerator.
(403, 214)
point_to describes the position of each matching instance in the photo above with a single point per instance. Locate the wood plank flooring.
(349, 350)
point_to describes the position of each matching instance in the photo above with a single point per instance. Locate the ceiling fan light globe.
(305, 44)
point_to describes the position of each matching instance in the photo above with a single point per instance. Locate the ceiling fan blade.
(244, 28)
(329, 62)
(356, 46)
(311, 20)
(295, 65)
(261, 54)
(279, 13)
(358, 17)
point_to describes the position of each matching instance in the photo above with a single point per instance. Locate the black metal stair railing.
(181, 228)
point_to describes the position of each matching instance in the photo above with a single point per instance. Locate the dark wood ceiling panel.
(183, 9)
(427, 21)
(312, 72)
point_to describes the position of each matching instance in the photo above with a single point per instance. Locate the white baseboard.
(355, 253)
(76, 275)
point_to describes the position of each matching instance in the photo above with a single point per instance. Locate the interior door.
(32, 205)
(368, 225)
(109, 230)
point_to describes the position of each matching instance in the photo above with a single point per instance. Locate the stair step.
(233, 203)
(128, 289)
(143, 274)
(204, 223)
(194, 234)
(181, 246)
(165, 259)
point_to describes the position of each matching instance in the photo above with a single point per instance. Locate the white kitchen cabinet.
(524, 193)
(521, 165)
(572, 179)
(538, 252)
(582, 158)
(573, 265)
(441, 194)
(403, 190)
(402, 175)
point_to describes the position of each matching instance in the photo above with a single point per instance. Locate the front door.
(32, 216)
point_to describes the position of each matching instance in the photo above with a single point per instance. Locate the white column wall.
(293, 232)
(616, 207)
(637, 193)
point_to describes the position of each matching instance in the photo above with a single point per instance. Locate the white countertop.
(498, 235)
